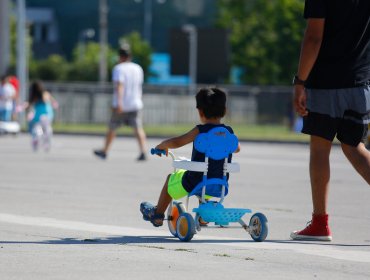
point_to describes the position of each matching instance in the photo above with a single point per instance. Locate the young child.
(40, 107)
(7, 95)
(211, 105)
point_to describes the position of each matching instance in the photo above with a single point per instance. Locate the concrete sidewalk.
(69, 215)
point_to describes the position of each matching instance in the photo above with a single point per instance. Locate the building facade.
(57, 26)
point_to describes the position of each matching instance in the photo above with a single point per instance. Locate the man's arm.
(120, 92)
(310, 50)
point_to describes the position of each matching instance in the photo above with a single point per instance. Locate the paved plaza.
(68, 215)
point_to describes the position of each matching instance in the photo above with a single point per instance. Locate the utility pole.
(192, 32)
(4, 36)
(22, 70)
(148, 18)
(103, 24)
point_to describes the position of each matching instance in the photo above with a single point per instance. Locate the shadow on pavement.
(124, 240)
(166, 239)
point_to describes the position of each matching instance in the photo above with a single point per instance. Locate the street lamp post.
(193, 50)
(103, 40)
(22, 72)
(148, 17)
(4, 36)
(84, 35)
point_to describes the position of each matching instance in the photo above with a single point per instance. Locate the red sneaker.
(316, 230)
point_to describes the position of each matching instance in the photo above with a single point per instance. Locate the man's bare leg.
(360, 159)
(111, 134)
(141, 138)
(319, 173)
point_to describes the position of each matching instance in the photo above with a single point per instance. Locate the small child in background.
(7, 95)
(40, 115)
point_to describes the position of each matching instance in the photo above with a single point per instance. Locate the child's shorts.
(175, 187)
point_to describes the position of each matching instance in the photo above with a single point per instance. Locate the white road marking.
(308, 249)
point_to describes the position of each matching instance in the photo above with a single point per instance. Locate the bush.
(54, 68)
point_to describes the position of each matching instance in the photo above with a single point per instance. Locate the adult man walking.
(128, 78)
(332, 93)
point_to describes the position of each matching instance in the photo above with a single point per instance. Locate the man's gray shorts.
(344, 113)
(132, 119)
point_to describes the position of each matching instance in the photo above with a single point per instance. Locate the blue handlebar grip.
(154, 151)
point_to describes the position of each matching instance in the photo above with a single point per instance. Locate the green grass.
(244, 132)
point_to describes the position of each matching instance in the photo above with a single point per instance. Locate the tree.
(265, 37)
(85, 58)
(85, 62)
(54, 68)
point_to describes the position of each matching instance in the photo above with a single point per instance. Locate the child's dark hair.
(36, 91)
(212, 101)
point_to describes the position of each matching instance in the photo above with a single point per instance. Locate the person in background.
(15, 83)
(127, 104)
(40, 107)
(7, 95)
(332, 94)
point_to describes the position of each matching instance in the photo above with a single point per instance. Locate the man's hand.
(299, 101)
(119, 109)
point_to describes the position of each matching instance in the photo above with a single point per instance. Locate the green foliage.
(86, 60)
(85, 63)
(13, 41)
(265, 37)
(141, 50)
(54, 68)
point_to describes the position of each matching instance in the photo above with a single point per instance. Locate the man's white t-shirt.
(131, 75)
(7, 92)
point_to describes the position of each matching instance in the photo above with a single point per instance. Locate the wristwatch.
(298, 81)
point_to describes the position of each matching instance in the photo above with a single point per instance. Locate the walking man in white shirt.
(128, 78)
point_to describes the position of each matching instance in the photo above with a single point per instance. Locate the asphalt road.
(68, 215)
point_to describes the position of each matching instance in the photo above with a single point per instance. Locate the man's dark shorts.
(132, 119)
(344, 113)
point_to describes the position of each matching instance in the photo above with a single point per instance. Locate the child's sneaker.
(316, 230)
(149, 214)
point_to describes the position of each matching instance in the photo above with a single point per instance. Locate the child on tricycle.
(211, 106)
(205, 176)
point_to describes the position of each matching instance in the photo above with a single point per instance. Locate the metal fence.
(90, 103)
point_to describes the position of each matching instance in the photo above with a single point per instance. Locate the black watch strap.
(298, 81)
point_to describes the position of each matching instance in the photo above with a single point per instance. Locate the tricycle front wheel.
(185, 227)
(258, 227)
